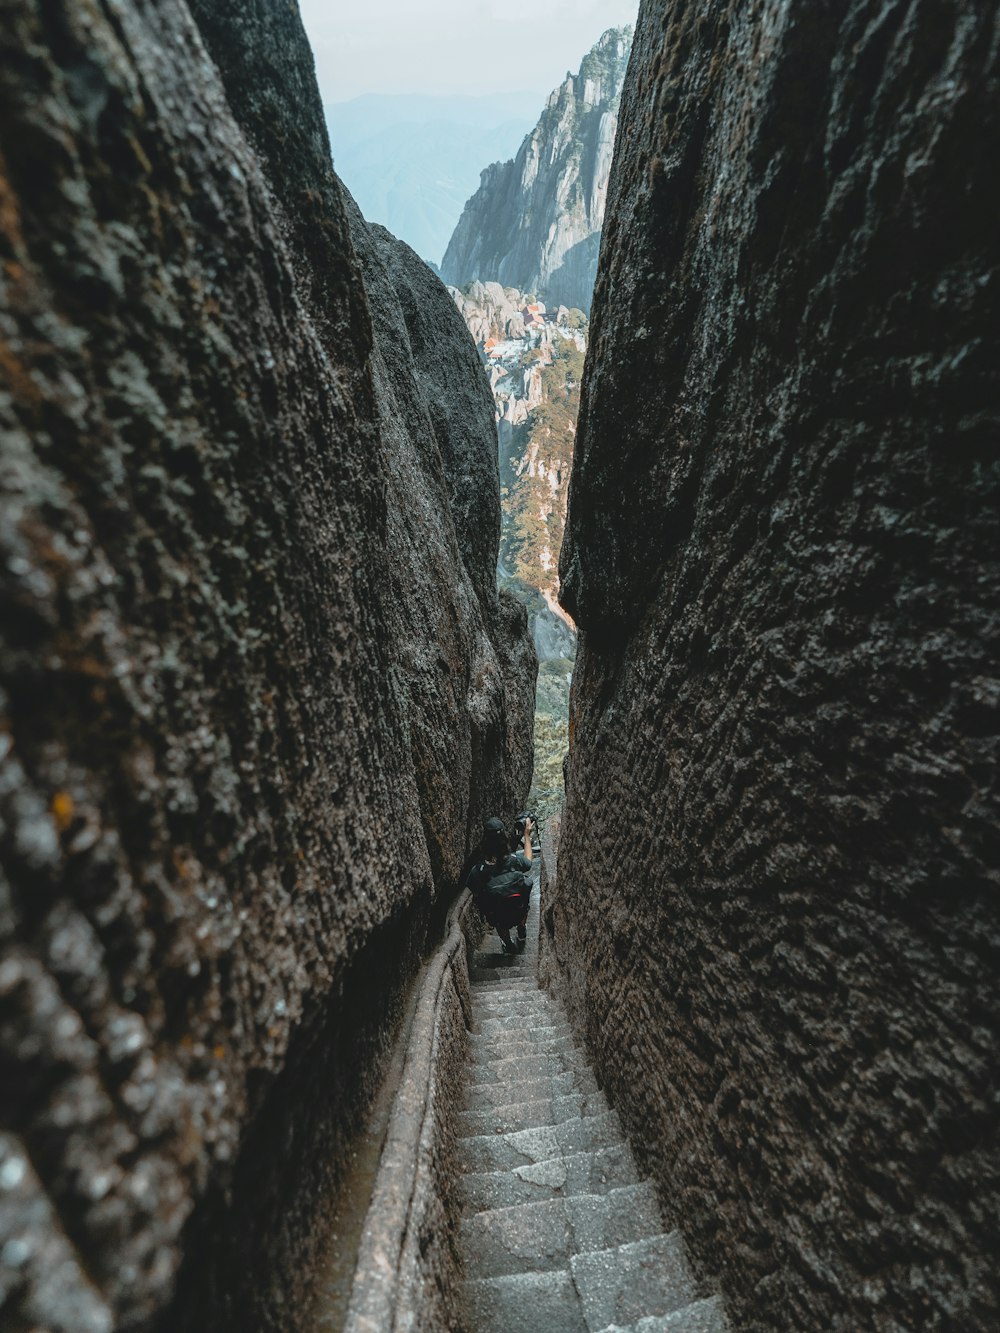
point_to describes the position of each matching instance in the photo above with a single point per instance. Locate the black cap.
(494, 826)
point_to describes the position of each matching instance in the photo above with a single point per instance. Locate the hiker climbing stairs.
(558, 1233)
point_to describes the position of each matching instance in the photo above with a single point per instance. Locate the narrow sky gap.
(448, 47)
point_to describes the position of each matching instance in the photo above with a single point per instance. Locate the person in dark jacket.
(499, 883)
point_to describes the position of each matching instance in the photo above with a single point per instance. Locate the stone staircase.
(558, 1233)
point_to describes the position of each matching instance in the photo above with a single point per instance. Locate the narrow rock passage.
(558, 1233)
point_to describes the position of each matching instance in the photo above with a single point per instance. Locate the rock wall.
(465, 658)
(776, 911)
(229, 710)
(535, 222)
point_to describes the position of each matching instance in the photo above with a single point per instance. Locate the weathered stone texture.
(777, 899)
(465, 660)
(217, 815)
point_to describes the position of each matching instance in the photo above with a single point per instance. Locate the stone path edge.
(401, 1280)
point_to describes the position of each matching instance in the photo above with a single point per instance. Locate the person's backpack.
(503, 881)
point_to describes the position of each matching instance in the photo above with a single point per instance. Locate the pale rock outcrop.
(491, 311)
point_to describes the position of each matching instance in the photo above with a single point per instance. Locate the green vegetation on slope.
(536, 475)
(551, 746)
(535, 480)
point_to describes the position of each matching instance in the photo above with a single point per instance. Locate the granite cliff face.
(535, 222)
(782, 555)
(254, 690)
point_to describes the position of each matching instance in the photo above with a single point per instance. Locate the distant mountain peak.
(535, 221)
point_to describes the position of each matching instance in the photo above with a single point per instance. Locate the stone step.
(490, 947)
(532, 1008)
(534, 1302)
(484, 1096)
(508, 1119)
(517, 985)
(493, 956)
(630, 1282)
(560, 1177)
(558, 1234)
(508, 1016)
(477, 978)
(517, 1041)
(532, 1004)
(543, 1236)
(495, 1029)
(504, 994)
(499, 1025)
(515, 973)
(538, 1013)
(700, 1317)
(491, 967)
(490, 944)
(524, 1147)
(544, 1065)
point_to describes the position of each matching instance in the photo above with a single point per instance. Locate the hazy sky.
(453, 46)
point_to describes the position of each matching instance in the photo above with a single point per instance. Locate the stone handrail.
(406, 1276)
